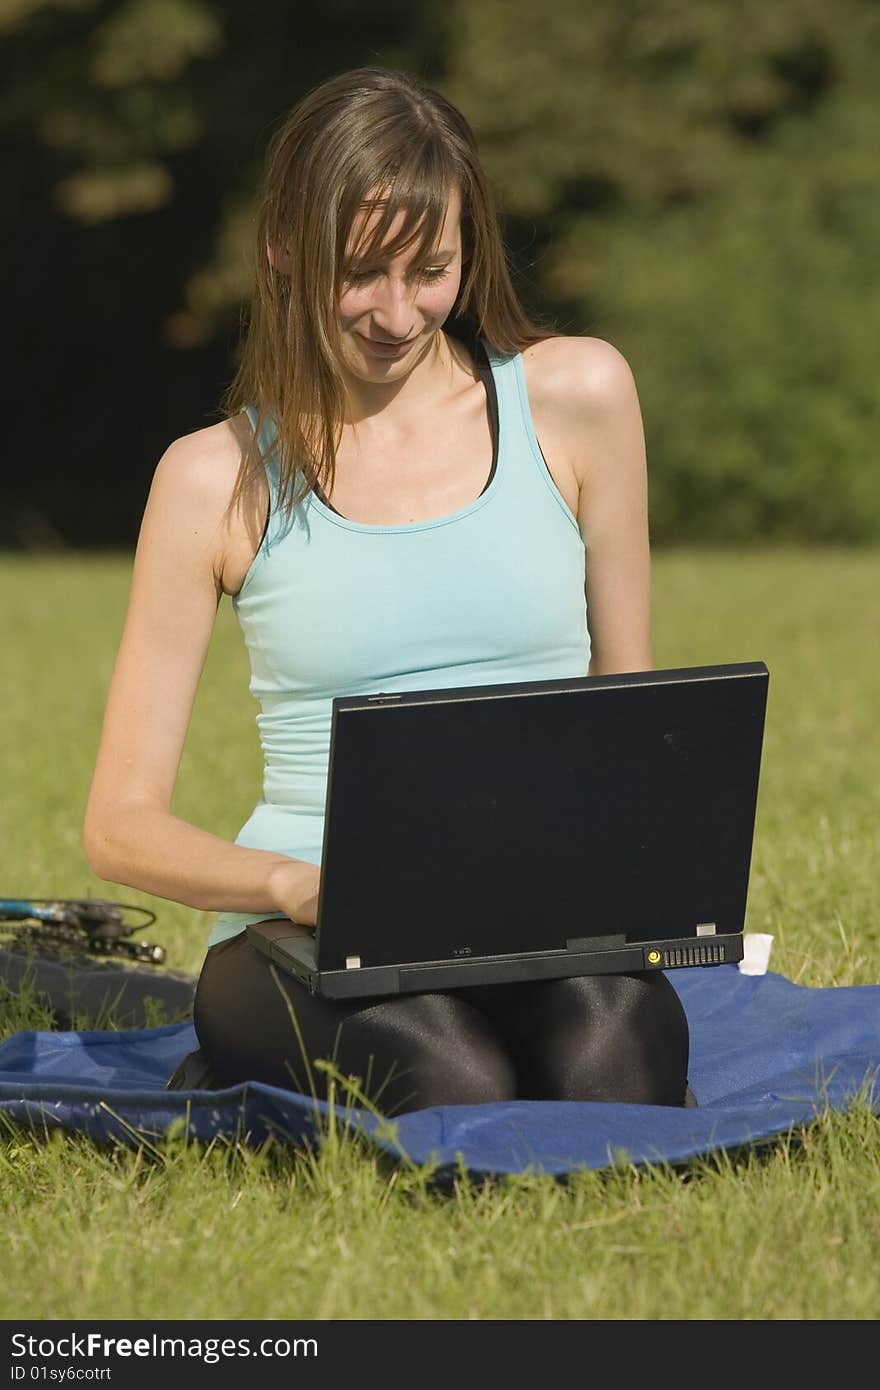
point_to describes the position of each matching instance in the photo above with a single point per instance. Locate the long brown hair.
(372, 135)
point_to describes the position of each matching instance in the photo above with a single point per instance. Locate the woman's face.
(390, 310)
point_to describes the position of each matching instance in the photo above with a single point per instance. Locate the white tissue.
(756, 953)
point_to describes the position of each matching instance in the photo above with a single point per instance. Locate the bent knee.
(475, 1076)
(612, 1038)
(429, 1050)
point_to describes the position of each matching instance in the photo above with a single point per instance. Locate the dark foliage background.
(696, 183)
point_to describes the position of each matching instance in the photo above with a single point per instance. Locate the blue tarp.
(766, 1056)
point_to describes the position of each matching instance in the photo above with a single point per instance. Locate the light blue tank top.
(489, 594)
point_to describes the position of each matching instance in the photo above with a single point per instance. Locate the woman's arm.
(613, 517)
(130, 835)
(589, 417)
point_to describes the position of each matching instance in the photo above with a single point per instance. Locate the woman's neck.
(444, 366)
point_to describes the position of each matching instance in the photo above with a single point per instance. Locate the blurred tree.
(696, 183)
(699, 185)
(135, 132)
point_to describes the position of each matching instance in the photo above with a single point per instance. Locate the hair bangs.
(417, 195)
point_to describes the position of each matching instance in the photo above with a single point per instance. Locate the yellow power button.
(654, 958)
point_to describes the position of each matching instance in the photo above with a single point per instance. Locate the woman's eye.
(428, 274)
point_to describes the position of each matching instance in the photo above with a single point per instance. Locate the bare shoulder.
(194, 482)
(578, 376)
(586, 409)
(201, 467)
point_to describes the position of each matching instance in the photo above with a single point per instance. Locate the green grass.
(164, 1230)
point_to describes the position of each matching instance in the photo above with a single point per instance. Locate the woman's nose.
(393, 310)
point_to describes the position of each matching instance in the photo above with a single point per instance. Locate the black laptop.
(532, 831)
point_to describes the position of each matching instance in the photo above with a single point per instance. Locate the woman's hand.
(294, 885)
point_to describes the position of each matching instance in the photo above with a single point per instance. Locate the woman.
(381, 510)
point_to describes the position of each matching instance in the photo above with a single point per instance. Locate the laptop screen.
(513, 818)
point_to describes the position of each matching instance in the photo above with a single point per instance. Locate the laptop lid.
(515, 818)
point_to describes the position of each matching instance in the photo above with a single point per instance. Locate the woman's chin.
(368, 361)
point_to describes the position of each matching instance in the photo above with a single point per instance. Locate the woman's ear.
(278, 259)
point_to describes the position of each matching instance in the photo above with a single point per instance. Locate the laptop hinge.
(705, 929)
(352, 962)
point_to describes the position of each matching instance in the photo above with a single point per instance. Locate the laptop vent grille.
(694, 955)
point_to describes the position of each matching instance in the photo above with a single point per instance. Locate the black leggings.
(596, 1037)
